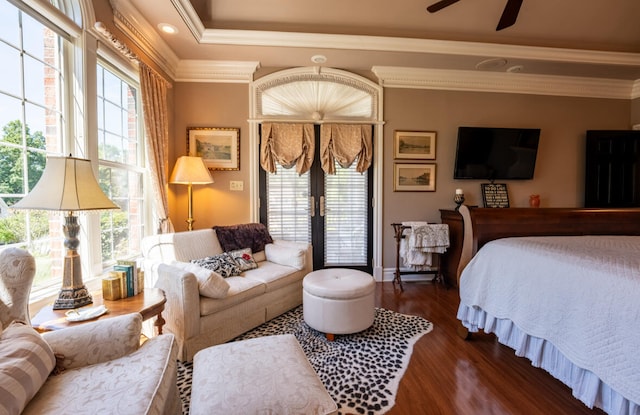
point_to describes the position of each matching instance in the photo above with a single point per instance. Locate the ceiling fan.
(508, 18)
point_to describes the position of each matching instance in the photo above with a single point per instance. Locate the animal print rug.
(360, 371)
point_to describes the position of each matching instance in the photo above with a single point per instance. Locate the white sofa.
(242, 302)
(100, 369)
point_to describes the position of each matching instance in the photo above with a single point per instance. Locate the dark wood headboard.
(482, 225)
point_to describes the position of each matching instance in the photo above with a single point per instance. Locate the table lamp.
(190, 170)
(68, 185)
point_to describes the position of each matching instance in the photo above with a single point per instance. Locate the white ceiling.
(568, 38)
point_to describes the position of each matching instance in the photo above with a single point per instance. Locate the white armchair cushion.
(285, 255)
(96, 342)
(140, 383)
(210, 283)
(25, 363)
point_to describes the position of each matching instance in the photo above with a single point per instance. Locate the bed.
(561, 287)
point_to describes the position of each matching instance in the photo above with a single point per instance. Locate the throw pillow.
(244, 259)
(210, 283)
(223, 264)
(285, 255)
(25, 363)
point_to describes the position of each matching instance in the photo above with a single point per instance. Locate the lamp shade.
(190, 170)
(66, 184)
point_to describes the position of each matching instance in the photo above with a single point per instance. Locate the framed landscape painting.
(414, 177)
(218, 147)
(419, 145)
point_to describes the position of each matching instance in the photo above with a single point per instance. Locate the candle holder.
(459, 199)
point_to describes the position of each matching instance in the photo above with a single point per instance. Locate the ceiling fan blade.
(510, 14)
(440, 5)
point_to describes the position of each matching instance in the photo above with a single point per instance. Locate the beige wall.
(210, 105)
(559, 170)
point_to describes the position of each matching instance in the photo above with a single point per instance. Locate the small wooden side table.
(149, 303)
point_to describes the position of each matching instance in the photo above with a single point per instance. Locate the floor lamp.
(190, 170)
(68, 185)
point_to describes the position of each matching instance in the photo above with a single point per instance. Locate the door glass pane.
(288, 215)
(346, 201)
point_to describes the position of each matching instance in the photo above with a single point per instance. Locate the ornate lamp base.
(73, 293)
(70, 298)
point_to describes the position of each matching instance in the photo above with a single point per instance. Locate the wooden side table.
(149, 303)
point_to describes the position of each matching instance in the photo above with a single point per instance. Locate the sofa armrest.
(182, 309)
(298, 255)
(96, 342)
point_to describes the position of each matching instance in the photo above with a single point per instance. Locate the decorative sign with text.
(494, 195)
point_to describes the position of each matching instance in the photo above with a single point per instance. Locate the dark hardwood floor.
(449, 375)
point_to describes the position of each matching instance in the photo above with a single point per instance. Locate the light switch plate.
(236, 185)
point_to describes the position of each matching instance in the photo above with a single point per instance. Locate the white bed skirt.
(586, 386)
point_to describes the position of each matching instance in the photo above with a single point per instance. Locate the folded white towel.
(414, 224)
(430, 238)
(423, 240)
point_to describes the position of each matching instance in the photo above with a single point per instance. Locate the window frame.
(127, 72)
(78, 106)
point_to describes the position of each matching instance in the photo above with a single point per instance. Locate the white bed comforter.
(581, 294)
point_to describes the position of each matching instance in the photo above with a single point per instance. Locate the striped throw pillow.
(25, 363)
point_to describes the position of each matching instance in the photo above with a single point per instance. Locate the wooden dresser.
(449, 260)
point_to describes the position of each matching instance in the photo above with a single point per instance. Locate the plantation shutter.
(346, 230)
(288, 205)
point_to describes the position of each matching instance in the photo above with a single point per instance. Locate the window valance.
(345, 143)
(287, 145)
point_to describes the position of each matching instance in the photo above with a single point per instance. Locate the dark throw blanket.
(248, 235)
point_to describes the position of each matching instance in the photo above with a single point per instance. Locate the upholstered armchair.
(17, 270)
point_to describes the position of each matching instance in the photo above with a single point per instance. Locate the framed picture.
(419, 145)
(414, 177)
(218, 147)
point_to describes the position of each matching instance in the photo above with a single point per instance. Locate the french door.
(332, 212)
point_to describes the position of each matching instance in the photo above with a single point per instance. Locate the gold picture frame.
(219, 147)
(418, 145)
(414, 177)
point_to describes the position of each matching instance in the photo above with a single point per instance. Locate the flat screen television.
(496, 153)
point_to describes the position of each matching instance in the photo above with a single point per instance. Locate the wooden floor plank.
(451, 376)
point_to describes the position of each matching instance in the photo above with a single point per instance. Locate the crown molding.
(190, 17)
(393, 44)
(133, 24)
(399, 44)
(216, 71)
(515, 83)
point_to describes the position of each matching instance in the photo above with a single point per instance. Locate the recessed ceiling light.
(168, 28)
(493, 63)
(318, 59)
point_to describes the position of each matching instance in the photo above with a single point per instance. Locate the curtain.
(156, 122)
(288, 145)
(345, 143)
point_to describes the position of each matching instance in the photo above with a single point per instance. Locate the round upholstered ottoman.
(338, 301)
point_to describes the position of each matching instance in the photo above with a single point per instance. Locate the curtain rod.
(124, 49)
(307, 121)
(121, 47)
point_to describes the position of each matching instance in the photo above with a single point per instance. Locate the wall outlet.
(236, 185)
